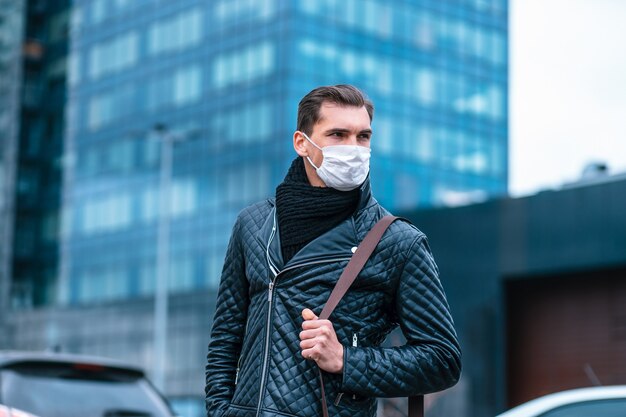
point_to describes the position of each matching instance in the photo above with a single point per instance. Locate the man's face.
(338, 125)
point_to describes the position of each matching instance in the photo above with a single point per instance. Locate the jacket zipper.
(270, 293)
(237, 371)
(245, 331)
(355, 343)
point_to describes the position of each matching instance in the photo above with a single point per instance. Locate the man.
(284, 257)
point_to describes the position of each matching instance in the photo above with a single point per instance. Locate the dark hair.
(342, 94)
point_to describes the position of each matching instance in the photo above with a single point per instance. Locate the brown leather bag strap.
(357, 262)
(416, 406)
(349, 274)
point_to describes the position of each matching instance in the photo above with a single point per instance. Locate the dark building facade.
(39, 154)
(537, 287)
(33, 55)
(11, 26)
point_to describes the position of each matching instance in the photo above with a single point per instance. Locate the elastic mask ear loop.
(313, 143)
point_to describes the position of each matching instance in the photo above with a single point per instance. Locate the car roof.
(548, 402)
(12, 357)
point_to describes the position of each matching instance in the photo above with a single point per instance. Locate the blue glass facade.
(227, 76)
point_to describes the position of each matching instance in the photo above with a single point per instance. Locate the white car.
(72, 385)
(13, 412)
(609, 401)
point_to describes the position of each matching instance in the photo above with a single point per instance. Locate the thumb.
(307, 314)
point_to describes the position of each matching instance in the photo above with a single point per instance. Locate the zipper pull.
(269, 294)
(338, 399)
(355, 343)
(238, 366)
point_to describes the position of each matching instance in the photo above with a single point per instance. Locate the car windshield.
(69, 390)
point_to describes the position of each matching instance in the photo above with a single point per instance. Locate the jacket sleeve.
(431, 359)
(228, 327)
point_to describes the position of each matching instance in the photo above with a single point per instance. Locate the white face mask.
(344, 167)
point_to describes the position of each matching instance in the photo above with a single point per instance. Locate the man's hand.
(319, 343)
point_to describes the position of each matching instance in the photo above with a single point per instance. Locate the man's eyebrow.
(342, 130)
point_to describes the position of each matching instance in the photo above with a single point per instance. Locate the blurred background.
(132, 132)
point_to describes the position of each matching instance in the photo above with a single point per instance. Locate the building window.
(498, 162)
(114, 55)
(481, 41)
(76, 18)
(160, 92)
(377, 17)
(376, 74)
(183, 198)
(181, 276)
(228, 10)
(425, 85)
(50, 227)
(175, 33)
(406, 191)
(149, 204)
(178, 89)
(382, 139)
(253, 123)
(424, 146)
(102, 284)
(480, 100)
(121, 156)
(98, 11)
(67, 215)
(244, 65)
(423, 34)
(110, 106)
(109, 213)
(498, 48)
(74, 68)
(187, 85)
(147, 278)
(247, 184)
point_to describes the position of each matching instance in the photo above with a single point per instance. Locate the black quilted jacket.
(255, 368)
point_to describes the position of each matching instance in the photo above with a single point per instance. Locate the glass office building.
(222, 79)
(225, 78)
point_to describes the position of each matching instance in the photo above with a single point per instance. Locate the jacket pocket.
(235, 410)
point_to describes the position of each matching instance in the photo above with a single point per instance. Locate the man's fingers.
(316, 324)
(308, 334)
(310, 354)
(308, 344)
(308, 314)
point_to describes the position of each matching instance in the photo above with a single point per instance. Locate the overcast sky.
(568, 90)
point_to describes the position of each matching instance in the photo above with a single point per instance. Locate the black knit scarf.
(306, 212)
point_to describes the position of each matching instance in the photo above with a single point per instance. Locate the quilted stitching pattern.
(429, 361)
(398, 286)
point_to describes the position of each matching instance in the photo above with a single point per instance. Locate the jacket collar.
(337, 243)
(365, 195)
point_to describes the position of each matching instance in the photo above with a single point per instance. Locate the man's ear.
(299, 143)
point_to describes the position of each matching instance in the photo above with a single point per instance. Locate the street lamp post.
(163, 259)
(161, 297)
